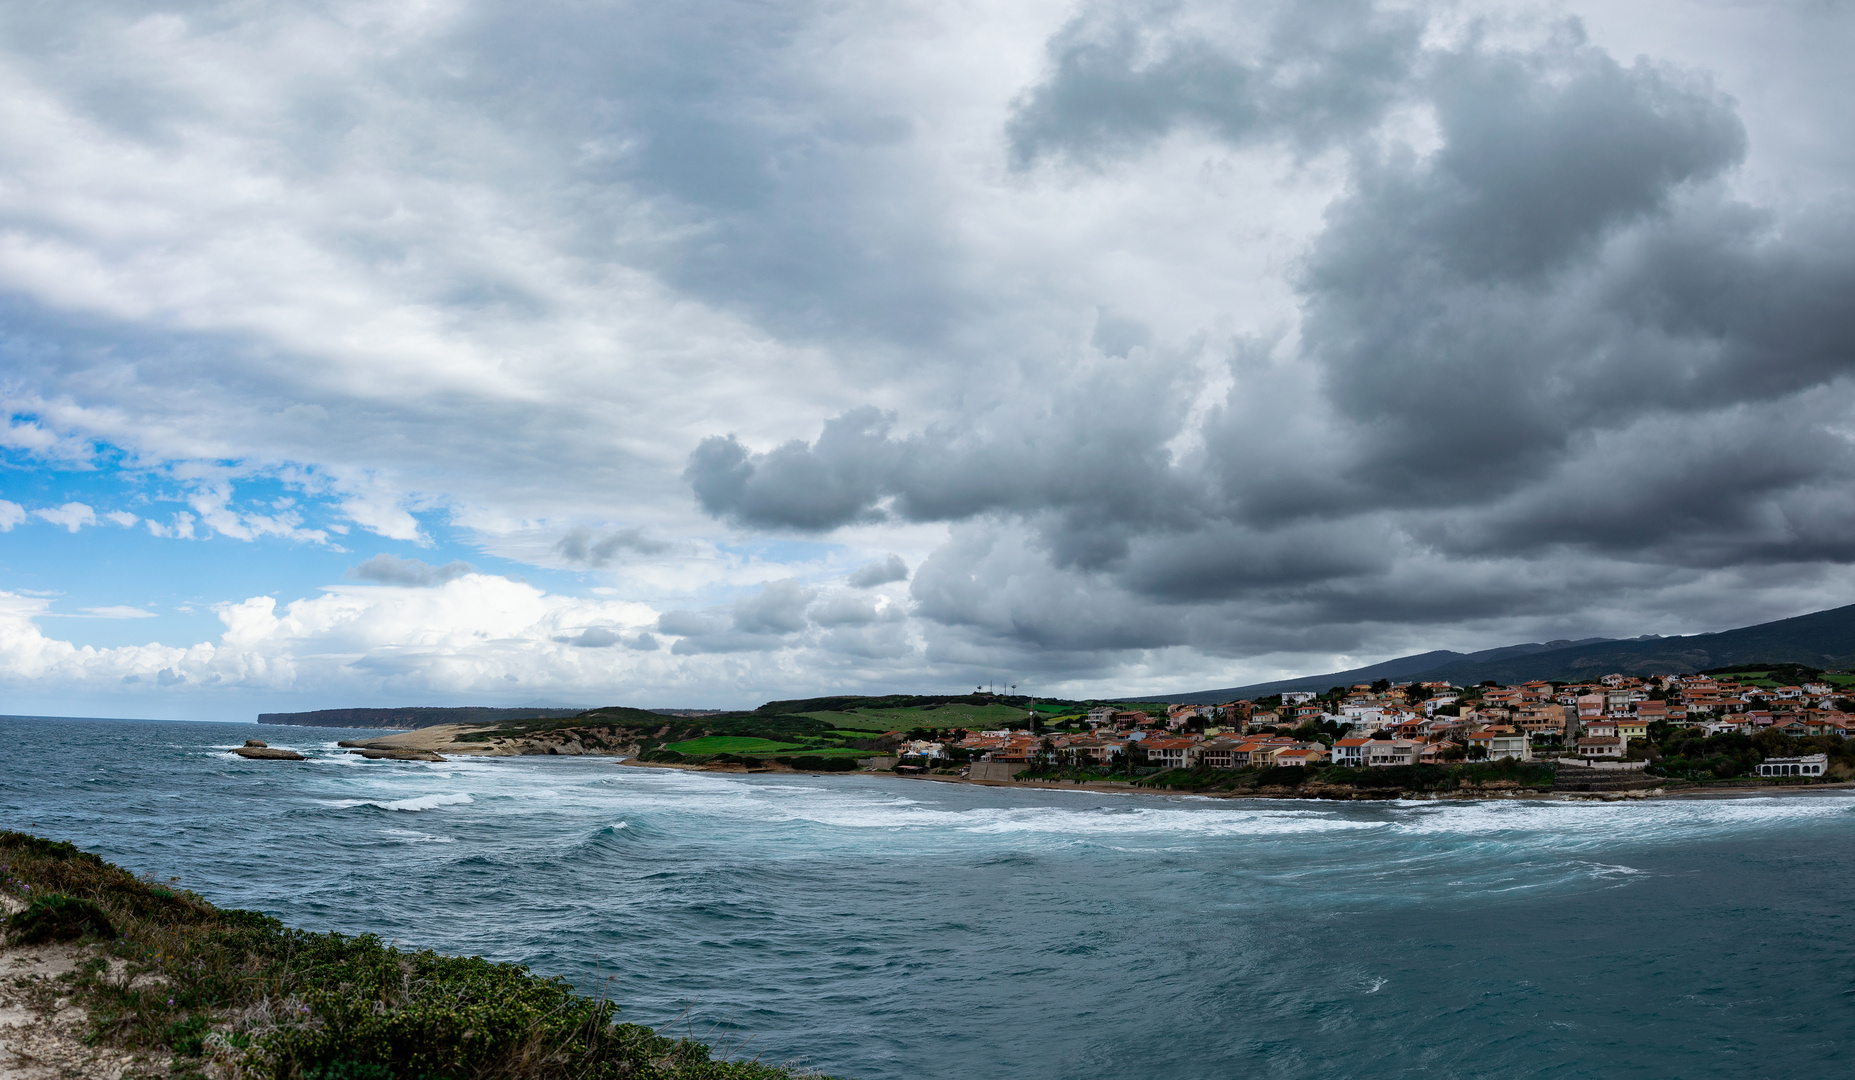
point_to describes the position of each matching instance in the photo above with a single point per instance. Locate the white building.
(1298, 697)
(1364, 717)
(1384, 752)
(1809, 765)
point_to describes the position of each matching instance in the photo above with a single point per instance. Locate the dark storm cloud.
(1122, 79)
(579, 546)
(1096, 452)
(1471, 285)
(725, 118)
(1552, 350)
(387, 569)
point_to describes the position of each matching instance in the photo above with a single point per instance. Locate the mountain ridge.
(1821, 639)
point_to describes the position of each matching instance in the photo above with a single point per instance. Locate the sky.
(436, 352)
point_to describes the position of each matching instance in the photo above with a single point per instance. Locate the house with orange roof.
(1168, 753)
(1350, 752)
(1220, 753)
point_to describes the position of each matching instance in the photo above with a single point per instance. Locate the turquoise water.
(880, 928)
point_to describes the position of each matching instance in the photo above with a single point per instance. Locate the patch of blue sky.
(95, 574)
(800, 555)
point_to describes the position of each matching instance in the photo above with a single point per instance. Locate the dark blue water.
(880, 928)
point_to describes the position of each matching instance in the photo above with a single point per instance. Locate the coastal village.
(1614, 723)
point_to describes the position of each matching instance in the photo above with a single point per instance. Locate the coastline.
(443, 739)
(1328, 795)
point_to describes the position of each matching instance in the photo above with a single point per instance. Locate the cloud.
(1123, 76)
(593, 637)
(1558, 282)
(603, 637)
(385, 569)
(180, 527)
(873, 574)
(119, 611)
(374, 504)
(11, 514)
(122, 518)
(763, 620)
(579, 546)
(72, 516)
(212, 503)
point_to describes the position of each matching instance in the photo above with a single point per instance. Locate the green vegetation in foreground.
(195, 985)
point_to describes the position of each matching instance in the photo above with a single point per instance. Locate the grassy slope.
(193, 983)
(731, 744)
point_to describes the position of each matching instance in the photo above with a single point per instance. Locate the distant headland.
(413, 717)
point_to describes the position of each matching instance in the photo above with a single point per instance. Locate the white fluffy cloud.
(474, 635)
(71, 517)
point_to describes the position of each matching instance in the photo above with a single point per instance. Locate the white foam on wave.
(880, 810)
(1575, 821)
(408, 836)
(411, 805)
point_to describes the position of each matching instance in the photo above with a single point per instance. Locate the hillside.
(1400, 669)
(1821, 639)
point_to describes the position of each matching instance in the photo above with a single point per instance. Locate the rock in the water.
(256, 743)
(396, 755)
(266, 753)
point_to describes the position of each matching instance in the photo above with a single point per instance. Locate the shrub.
(59, 918)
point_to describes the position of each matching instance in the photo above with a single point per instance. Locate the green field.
(733, 744)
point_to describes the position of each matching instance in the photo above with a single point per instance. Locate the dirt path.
(41, 1033)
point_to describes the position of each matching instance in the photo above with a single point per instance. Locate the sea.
(897, 929)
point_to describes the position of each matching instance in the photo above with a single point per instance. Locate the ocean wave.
(408, 836)
(412, 805)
